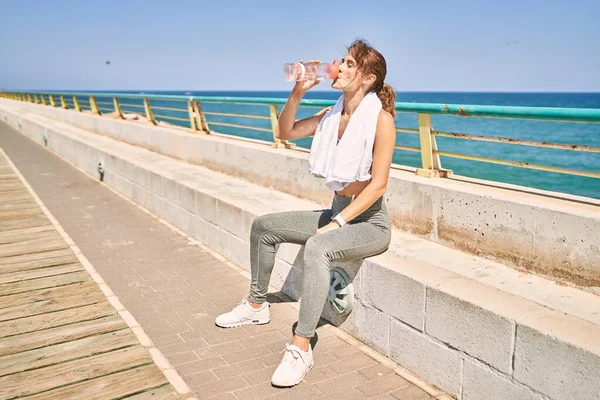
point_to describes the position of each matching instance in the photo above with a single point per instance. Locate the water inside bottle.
(309, 71)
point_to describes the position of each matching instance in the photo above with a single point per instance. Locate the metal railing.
(189, 112)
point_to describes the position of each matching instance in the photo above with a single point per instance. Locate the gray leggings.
(367, 235)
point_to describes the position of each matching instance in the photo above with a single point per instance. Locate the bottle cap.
(334, 69)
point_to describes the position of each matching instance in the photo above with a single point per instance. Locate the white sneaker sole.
(245, 323)
(289, 385)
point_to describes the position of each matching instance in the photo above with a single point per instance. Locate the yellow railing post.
(43, 100)
(201, 118)
(274, 118)
(52, 102)
(76, 104)
(94, 105)
(29, 98)
(148, 109)
(192, 114)
(118, 108)
(430, 160)
(35, 99)
(63, 102)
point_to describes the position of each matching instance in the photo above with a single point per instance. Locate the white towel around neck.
(349, 160)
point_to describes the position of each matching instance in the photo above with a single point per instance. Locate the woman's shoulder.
(385, 121)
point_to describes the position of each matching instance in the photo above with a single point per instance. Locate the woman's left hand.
(329, 227)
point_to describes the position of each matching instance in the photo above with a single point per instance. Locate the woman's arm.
(288, 128)
(383, 151)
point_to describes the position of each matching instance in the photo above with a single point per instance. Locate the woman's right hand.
(305, 86)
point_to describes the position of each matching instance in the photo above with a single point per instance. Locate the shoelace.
(241, 306)
(293, 352)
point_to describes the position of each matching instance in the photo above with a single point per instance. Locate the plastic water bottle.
(309, 71)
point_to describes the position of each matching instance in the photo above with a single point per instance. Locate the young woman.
(352, 149)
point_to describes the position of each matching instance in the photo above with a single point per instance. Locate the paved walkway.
(175, 289)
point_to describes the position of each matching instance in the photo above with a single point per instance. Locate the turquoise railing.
(197, 114)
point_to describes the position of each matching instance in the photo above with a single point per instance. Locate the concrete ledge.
(549, 233)
(455, 319)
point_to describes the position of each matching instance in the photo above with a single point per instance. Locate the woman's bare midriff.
(353, 189)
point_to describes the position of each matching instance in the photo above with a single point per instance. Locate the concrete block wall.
(471, 340)
(530, 229)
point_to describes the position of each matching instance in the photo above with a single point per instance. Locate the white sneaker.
(293, 368)
(245, 314)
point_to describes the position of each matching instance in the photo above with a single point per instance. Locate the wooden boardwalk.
(59, 336)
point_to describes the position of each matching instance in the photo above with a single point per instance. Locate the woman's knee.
(315, 252)
(259, 225)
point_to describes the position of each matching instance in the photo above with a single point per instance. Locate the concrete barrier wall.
(548, 233)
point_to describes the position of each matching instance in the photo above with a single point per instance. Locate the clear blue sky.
(458, 45)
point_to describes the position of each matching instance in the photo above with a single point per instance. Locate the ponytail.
(387, 95)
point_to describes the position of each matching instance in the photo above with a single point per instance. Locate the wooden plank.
(11, 176)
(43, 379)
(17, 234)
(64, 352)
(49, 300)
(46, 294)
(13, 205)
(24, 262)
(73, 273)
(147, 378)
(32, 246)
(34, 274)
(10, 216)
(15, 195)
(38, 339)
(21, 195)
(10, 186)
(5, 190)
(37, 220)
(23, 188)
(56, 319)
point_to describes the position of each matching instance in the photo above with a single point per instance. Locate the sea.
(544, 131)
